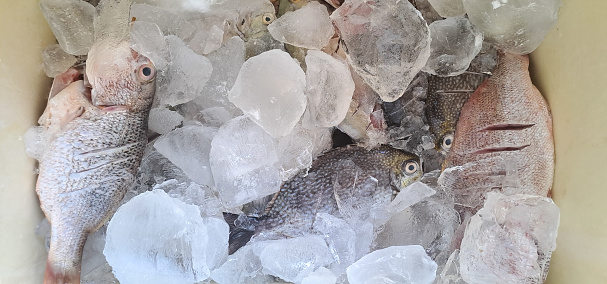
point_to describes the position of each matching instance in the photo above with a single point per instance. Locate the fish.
(344, 181)
(96, 150)
(503, 138)
(446, 96)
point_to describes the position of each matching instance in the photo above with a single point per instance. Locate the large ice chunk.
(243, 266)
(147, 39)
(270, 90)
(308, 27)
(448, 8)
(158, 239)
(163, 120)
(513, 26)
(188, 148)
(169, 22)
(72, 23)
(329, 89)
(455, 42)
(293, 259)
(387, 43)
(510, 240)
(187, 74)
(399, 264)
(206, 41)
(297, 149)
(56, 61)
(112, 20)
(242, 158)
(341, 238)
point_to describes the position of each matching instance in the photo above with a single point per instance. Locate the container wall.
(23, 90)
(570, 69)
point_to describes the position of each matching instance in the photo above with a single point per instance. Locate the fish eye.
(447, 142)
(411, 167)
(146, 72)
(268, 18)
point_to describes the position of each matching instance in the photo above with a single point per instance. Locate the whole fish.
(503, 138)
(446, 96)
(344, 181)
(94, 155)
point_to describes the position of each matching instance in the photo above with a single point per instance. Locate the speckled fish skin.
(506, 121)
(94, 158)
(446, 97)
(337, 179)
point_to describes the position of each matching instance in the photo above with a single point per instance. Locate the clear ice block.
(308, 27)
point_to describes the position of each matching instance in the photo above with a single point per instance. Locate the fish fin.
(53, 275)
(238, 236)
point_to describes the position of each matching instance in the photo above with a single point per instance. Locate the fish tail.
(56, 275)
(239, 235)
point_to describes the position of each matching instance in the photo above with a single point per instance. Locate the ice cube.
(158, 239)
(169, 22)
(341, 239)
(450, 273)
(242, 158)
(214, 116)
(72, 23)
(448, 8)
(510, 240)
(35, 142)
(163, 120)
(329, 89)
(112, 20)
(293, 259)
(240, 267)
(205, 42)
(398, 264)
(226, 61)
(147, 39)
(409, 196)
(270, 91)
(513, 26)
(308, 27)
(387, 43)
(358, 118)
(56, 61)
(187, 74)
(195, 194)
(455, 42)
(320, 276)
(297, 149)
(188, 148)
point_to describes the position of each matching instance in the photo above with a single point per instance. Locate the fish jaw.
(503, 138)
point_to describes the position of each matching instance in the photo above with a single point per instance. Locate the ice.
(450, 273)
(308, 27)
(56, 61)
(510, 240)
(398, 264)
(426, 9)
(358, 118)
(448, 8)
(387, 43)
(92, 254)
(242, 158)
(187, 74)
(320, 276)
(409, 196)
(169, 22)
(147, 39)
(34, 141)
(240, 267)
(513, 26)
(341, 238)
(329, 89)
(72, 23)
(214, 116)
(293, 259)
(226, 62)
(205, 42)
(455, 42)
(102, 274)
(297, 149)
(270, 91)
(188, 148)
(158, 239)
(112, 20)
(163, 120)
(195, 194)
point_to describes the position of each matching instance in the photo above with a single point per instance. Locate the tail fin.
(53, 275)
(239, 234)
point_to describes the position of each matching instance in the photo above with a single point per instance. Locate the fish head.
(254, 19)
(119, 76)
(445, 141)
(405, 169)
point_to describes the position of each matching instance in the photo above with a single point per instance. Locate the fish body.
(93, 157)
(446, 96)
(344, 181)
(503, 139)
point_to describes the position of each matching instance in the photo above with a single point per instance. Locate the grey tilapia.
(94, 151)
(344, 182)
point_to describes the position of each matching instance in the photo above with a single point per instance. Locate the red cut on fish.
(503, 139)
